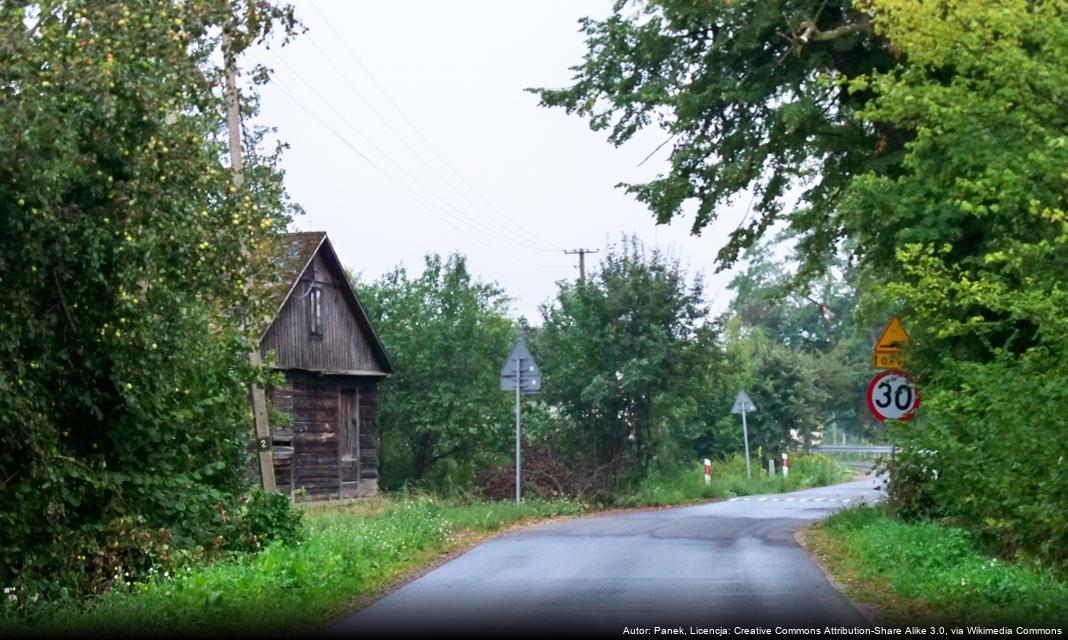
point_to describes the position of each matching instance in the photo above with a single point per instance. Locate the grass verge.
(729, 479)
(929, 573)
(359, 549)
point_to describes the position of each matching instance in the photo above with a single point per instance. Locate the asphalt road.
(712, 565)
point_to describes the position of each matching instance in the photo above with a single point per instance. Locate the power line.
(423, 137)
(415, 152)
(403, 187)
(441, 203)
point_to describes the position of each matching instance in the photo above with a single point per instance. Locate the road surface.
(712, 565)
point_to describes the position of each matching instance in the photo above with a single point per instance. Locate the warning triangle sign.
(894, 337)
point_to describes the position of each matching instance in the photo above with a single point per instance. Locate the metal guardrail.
(855, 448)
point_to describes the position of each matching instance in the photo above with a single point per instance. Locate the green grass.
(729, 479)
(926, 572)
(348, 551)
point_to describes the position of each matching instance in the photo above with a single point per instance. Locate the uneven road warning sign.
(890, 347)
(893, 396)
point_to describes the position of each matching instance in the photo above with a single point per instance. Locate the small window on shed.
(315, 310)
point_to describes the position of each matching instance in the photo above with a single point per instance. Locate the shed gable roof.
(294, 252)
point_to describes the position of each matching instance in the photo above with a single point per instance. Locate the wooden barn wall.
(332, 455)
(343, 345)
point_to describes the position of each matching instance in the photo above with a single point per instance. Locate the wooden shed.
(323, 341)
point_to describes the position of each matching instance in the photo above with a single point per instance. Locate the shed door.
(316, 414)
(349, 442)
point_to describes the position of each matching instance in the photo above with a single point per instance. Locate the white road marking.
(767, 499)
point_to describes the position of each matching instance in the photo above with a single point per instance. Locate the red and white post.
(785, 465)
(708, 471)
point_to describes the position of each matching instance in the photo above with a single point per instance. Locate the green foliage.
(287, 588)
(619, 353)
(814, 317)
(971, 238)
(271, 516)
(123, 396)
(941, 569)
(442, 414)
(796, 352)
(746, 91)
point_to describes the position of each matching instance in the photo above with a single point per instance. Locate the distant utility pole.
(259, 398)
(582, 259)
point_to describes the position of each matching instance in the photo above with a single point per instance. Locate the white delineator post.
(771, 467)
(708, 471)
(785, 465)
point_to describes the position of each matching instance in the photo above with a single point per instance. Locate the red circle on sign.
(875, 407)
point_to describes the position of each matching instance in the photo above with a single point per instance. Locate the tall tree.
(971, 240)
(814, 321)
(749, 95)
(442, 413)
(123, 398)
(618, 352)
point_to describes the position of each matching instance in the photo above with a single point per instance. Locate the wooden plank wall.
(322, 463)
(343, 345)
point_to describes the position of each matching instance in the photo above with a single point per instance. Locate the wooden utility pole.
(582, 259)
(259, 398)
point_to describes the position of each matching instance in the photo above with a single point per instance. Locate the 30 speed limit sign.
(892, 396)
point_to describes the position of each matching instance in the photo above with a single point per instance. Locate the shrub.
(271, 516)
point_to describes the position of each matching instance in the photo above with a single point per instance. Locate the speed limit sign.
(892, 396)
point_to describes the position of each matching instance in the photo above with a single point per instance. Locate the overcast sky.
(503, 181)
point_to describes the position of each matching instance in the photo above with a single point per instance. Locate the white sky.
(457, 70)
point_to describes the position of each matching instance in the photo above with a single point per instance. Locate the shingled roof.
(293, 252)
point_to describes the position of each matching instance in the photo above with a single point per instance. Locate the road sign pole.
(745, 434)
(518, 495)
(523, 377)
